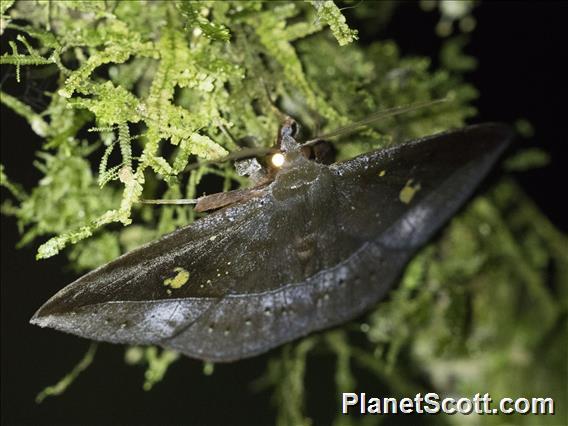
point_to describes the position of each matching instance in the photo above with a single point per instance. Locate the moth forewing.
(318, 247)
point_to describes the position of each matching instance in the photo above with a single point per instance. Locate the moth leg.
(224, 199)
(173, 201)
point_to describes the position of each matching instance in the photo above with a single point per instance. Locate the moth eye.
(294, 129)
(290, 128)
(278, 160)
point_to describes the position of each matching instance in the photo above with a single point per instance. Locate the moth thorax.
(288, 144)
(248, 167)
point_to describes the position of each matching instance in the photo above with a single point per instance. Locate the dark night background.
(521, 49)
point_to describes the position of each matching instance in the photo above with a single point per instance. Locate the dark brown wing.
(322, 245)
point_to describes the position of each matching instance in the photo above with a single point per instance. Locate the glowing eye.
(278, 160)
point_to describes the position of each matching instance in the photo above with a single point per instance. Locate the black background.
(521, 48)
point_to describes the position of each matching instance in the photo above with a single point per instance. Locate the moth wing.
(147, 295)
(321, 246)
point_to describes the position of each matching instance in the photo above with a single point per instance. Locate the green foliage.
(62, 385)
(527, 159)
(36, 122)
(330, 13)
(157, 363)
(286, 374)
(196, 21)
(161, 85)
(5, 5)
(19, 59)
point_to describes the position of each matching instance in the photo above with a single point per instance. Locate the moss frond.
(62, 385)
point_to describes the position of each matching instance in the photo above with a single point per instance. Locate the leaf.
(110, 104)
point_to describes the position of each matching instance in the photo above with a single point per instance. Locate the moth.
(312, 246)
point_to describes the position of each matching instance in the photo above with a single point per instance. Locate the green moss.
(155, 361)
(158, 364)
(331, 15)
(62, 385)
(527, 159)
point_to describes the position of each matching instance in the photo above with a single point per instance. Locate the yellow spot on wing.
(181, 278)
(382, 173)
(407, 193)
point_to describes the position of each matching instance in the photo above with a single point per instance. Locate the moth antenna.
(272, 104)
(282, 116)
(352, 7)
(256, 152)
(237, 155)
(228, 134)
(350, 128)
(174, 201)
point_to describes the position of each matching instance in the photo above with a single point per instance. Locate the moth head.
(289, 149)
(287, 152)
(321, 152)
(283, 159)
(290, 128)
(287, 136)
